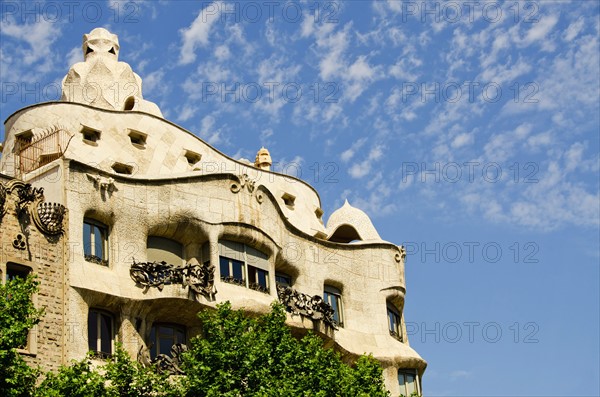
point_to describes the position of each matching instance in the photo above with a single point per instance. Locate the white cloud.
(349, 153)
(573, 30)
(462, 140)
(74, 56)
(198, 32)
(363, 168)
(186, 113)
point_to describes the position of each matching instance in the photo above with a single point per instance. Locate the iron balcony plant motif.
(47, 217)
(200, 278)
(313, 307)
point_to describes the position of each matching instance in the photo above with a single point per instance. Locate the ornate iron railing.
(313, 307)
(200, 278)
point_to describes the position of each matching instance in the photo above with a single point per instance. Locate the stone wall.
(45, 256)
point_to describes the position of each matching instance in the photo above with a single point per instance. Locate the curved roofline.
(289, 226)
(41, 104)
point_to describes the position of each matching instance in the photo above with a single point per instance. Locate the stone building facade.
(149, 225)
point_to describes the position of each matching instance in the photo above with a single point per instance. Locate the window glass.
(407, 382)
(394, 322)
(283, 279)
(243, 265)
(95, 242)
(164, 336)
(333, 296)
(100, 332)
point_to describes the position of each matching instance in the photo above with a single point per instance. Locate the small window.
(283, 279)
(138, 139)
(333, 296)
(90, 135)
(24, 138)
(407, 380)
(14, 271)
(288, 199)
(394, 322)
(95, 242)
(163, 337)
(121, 168)
(319, 214)
(192, 157)
(159, 249)
(100, 333)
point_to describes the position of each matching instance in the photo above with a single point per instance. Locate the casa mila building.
(134, 225)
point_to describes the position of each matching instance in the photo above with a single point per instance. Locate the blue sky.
(468, 132)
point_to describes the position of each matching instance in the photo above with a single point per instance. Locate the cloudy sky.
(468, 131)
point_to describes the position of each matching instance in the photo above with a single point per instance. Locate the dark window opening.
(100, 333)
(163, 337)
(14, 271)
(121, 168)
(90, 135)
(283, 279)
(192, 157)
(394, 323)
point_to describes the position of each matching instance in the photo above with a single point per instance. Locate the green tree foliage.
(120, 377)
(236, 356)
(17, 317)
(242, 356)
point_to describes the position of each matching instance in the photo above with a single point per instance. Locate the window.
(16, 271)
(407, 380)
(163, 337)
(24, 138)
(161, 249)
(283, 279)
(90, 135)
(192, 157)
(394, 322)
(138, 139)
(95, 242)
(289, 200)
(121, 168)
(244, 265)
(333, 296)
(100, 333)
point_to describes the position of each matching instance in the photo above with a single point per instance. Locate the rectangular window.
(95, 242)
(244, 265)
(407, 380)
(232, 270)
(163, 337)
(100, 333)
(333, 296)
(258, 279)
(394, 323)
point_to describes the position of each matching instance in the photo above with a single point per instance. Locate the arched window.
(394, 322)
(333, 296)
(163, 336)
(159, 249)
